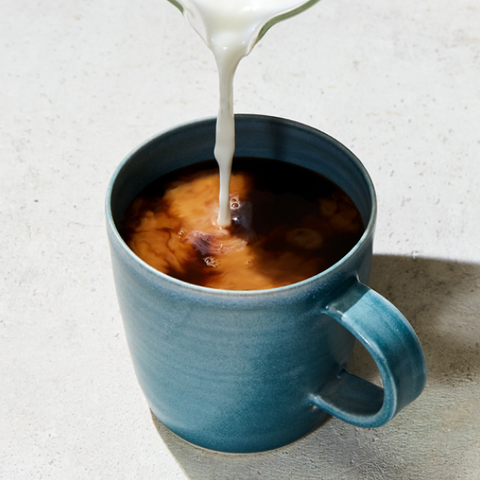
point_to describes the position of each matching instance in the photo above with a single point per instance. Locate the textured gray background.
(83, 82)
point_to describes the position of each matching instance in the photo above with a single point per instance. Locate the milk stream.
(230, 28)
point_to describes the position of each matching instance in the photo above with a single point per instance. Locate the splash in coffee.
(288, 224)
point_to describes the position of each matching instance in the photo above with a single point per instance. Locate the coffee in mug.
(288, 224)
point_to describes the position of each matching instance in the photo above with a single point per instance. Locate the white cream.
(230, 28)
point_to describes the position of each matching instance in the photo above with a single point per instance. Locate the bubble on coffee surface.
(235, 203)
(285, 228)
(211, 262)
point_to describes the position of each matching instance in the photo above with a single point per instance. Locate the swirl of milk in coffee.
(230, 28)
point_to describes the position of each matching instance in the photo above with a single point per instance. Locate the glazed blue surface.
(252, 371)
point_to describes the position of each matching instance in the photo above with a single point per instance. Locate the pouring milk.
(230, 28)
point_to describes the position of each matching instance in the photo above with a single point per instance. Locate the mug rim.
(368, 232)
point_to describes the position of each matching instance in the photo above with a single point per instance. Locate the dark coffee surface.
(288, 224)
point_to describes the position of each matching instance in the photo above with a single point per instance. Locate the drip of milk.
(230, 28)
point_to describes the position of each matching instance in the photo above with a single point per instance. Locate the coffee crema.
(288, 224)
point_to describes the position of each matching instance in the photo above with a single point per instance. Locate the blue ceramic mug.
(248, 371)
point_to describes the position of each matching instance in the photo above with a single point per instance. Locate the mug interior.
(257, 136)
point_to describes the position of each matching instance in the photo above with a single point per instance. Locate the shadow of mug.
(441, 299)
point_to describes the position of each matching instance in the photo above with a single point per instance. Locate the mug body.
(234, 371)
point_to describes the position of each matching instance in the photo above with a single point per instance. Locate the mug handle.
(394, 346)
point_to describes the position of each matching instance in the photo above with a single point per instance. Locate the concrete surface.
(83, 82)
